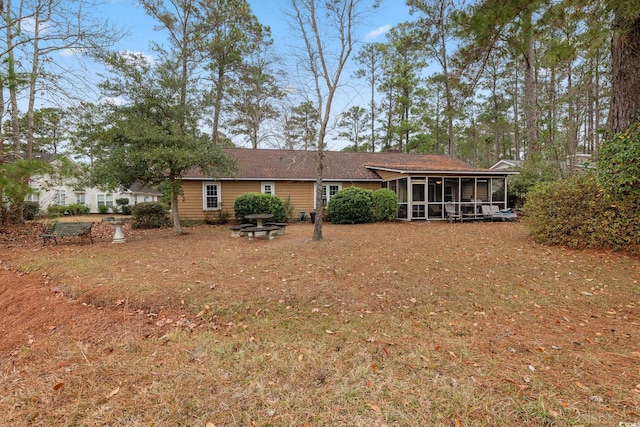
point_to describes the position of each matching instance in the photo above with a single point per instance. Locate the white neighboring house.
(49, 191)
(506, 165)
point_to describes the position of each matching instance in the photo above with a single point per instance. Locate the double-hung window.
(268, 188)
(105, 200)
(211, 196)
(32, 197)
(60, 197)
(329, 190)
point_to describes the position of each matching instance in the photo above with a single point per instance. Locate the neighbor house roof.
(506, 164)
(338, 165)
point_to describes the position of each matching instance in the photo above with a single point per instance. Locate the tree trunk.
(32, 85)
(218, 106)
(572, 126)
(373, 116)
(625, 73)
(317, 225)
(12, 84)
(530, 87)
(175, 215)
(516, 114)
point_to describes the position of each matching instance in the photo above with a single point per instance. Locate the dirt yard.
(384, 324)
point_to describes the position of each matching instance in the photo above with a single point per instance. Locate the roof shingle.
(263, 164)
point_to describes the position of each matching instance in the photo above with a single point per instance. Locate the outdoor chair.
(452, 215)
(494, 213)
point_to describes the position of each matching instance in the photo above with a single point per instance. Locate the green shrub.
(258, 203)
(77, 209)
(353, 205)
(578, 213)
(56, 211)
(30, 210)
(385, 205)
(103, 209)
(122, 206)
(150, 215)
(618, 165)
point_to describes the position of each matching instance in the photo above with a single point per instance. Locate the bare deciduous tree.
(327, 30)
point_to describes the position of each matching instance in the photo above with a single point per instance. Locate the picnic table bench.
(68, 229)
(266, 232)
(281, 226)
(237, 230)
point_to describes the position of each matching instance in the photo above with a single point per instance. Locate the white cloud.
(110, 100)
(132, 55)
(372, 35)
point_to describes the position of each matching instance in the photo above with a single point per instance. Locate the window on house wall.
(268, 188)
(211, 196)
(105, 199)
(60, 198)
(33, 197)
(329, 190)
(81, 199)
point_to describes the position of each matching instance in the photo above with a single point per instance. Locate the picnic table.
(259, 218)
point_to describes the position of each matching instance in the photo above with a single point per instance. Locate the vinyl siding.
(300, 194)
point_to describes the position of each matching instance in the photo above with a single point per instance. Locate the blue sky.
(128, 14)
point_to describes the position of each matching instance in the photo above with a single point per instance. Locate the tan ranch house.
(423, 182)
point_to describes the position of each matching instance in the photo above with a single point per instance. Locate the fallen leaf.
(579, 384)
(113, 392)
(374, 367)
(58, 386)
(375, 407)
(329, 332)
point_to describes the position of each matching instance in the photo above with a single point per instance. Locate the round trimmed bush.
(353, 205)
(259, 203)
(150, 215)
(385, 205)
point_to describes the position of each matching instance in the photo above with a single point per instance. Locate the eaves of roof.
(457, 172)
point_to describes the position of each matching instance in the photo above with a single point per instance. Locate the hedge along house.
(423, 182)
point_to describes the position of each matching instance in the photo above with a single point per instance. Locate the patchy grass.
(383, 324)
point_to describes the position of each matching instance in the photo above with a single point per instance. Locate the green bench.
(68, 229)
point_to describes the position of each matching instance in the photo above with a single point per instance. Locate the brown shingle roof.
(338, 165)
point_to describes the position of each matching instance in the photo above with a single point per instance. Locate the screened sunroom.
(423, 197)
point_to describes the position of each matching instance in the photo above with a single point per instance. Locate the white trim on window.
(268, 188)
(211, 196)
(60, 197)
(32, 197)
(332, 187)
(105, 199)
